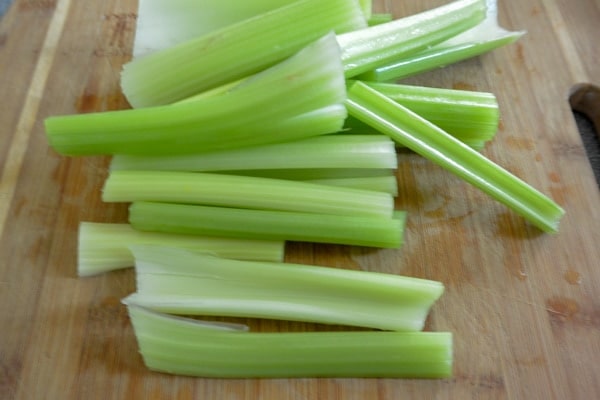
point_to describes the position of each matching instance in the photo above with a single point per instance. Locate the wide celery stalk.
(421, 136)
(236, 51)
(104, 247)
(268, 224)
(177, 281)
(243, 192)
(184, 346)
(259, 110)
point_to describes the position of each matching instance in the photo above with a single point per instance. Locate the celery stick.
(103, 247)
(369, 48)
(426, 139)
(331, 151)
(311, 174)
(177, 281)
(235, 118)
(243, 192)
(379, 18)
(236, 51)
(385, 184)
(185, 346)
(268, 225)
(472, 117)
(483, 38)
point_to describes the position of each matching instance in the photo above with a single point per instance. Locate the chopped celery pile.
(177, 281)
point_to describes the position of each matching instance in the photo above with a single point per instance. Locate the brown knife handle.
(585, 98)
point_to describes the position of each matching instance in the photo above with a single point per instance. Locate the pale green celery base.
(428, 140)
(243, 116)
(103, 247)
(180, 282)
(234, 52)
(366, 49)
(268, 225)
(329, 151)
(186, 347)
(243, 192)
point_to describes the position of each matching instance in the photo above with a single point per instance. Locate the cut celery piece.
(369, 48)
(268, 225)
(243, 192)
(103, 247)
(236, 51)
(258, 111)
(428, 140)
(472, 117)
(180, 282)
(330, 151)
(185, 346)
(481, 39)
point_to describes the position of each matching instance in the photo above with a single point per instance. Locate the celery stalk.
(236, 51)
(483, 38)
(426, 139)
(180, 282)
(103, 247)
(184, 346)
(369, 48)
(330, 151)
(472, 117)
(268, 225)
(243, 192)
(235, 118)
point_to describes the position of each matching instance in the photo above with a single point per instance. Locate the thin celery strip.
(243, 192)
(369, 48)
(379, 18)
(180, 282)
(481, 39)
(103, 247)
(185, 346)
(385, 184)
(330, 151)
(234, 118)
(268, 225)
(236, 51)
(470, 116)
(311, 174)
(426, 139)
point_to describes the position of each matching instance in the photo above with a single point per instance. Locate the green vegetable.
(103, 247)
(268, 225)
(190, 347)
(180, 282)
(426, 139)
(244, 192)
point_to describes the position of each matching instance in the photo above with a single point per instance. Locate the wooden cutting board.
(524, 306)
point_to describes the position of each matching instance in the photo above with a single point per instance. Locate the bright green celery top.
(103, 247)
(428, 140)
(243, 192)
(268, 225)
(329, 151)
(235, 51)
(235, 118)
(484, 37)
(472, 117)
(369, 48)
(190, 347)
(177, 281)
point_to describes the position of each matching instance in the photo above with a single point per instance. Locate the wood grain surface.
(524, 306)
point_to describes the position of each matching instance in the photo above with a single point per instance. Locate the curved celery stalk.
(330, 151)
(369, 48)
(426, 139)
(482, 38)
(236, 51)
(190, 347)
(244, 192)
(268, 225)
(103, 247)
(471, 117)
(260, 110)
(177, 281)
